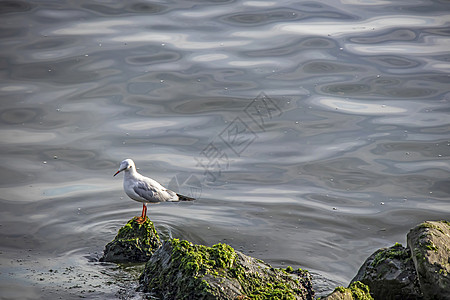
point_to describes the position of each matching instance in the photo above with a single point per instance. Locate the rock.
(356, 291)
(182, 270)
(134, 243)
(429, 243)
(390, 274)
(420, 271)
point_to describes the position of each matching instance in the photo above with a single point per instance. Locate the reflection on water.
(312, 133)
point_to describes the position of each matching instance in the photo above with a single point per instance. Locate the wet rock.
(420, 271)
(390, 274)
(429, 243)
(134, 243)
(356, 291)
(182, 270)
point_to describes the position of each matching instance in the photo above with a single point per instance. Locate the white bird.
(144, 189)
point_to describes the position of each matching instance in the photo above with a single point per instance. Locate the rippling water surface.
(311, 132)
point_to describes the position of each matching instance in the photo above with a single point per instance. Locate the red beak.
(116, 173)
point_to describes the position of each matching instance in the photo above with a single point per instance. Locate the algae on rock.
(390, 274)
(182, 270)
(356, 291)
(134, 242)
(420, 271)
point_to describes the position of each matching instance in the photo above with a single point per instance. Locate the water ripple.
(346, 106)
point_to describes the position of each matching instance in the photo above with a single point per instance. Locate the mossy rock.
(429, 243)
(182, 270)
(356, 291)
(390, 274)
(134, 242)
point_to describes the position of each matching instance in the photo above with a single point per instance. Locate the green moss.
(190, 263)
(443, 272)
(429, 225)
(445, 222)
(132, 228)
(133, 243)
(257, 287)
(200, 260)
(418, 254)
(143, 235)
(360, 291)
(301, 271)
(289, 269)
(395, 252)
(194, 262)
(431, 246)
(340, 289)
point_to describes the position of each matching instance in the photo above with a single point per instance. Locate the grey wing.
(153, 194)
(146, 191)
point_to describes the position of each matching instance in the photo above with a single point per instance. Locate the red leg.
(144, 211)
(143, 216)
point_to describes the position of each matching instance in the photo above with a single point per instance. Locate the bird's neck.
(131, 173)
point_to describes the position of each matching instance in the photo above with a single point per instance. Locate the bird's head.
(126, 165)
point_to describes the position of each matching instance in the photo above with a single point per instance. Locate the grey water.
(311, 133)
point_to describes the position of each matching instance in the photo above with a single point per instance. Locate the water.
(312, 133)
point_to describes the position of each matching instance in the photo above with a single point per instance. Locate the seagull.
(144, 189)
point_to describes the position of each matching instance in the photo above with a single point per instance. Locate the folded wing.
(154, 193)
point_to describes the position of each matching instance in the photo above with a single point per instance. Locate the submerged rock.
(390, 274)
(134, 243)
(429, 243)
(356, 291)
(182, 270)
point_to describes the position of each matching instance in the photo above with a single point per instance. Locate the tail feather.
(185, 198)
